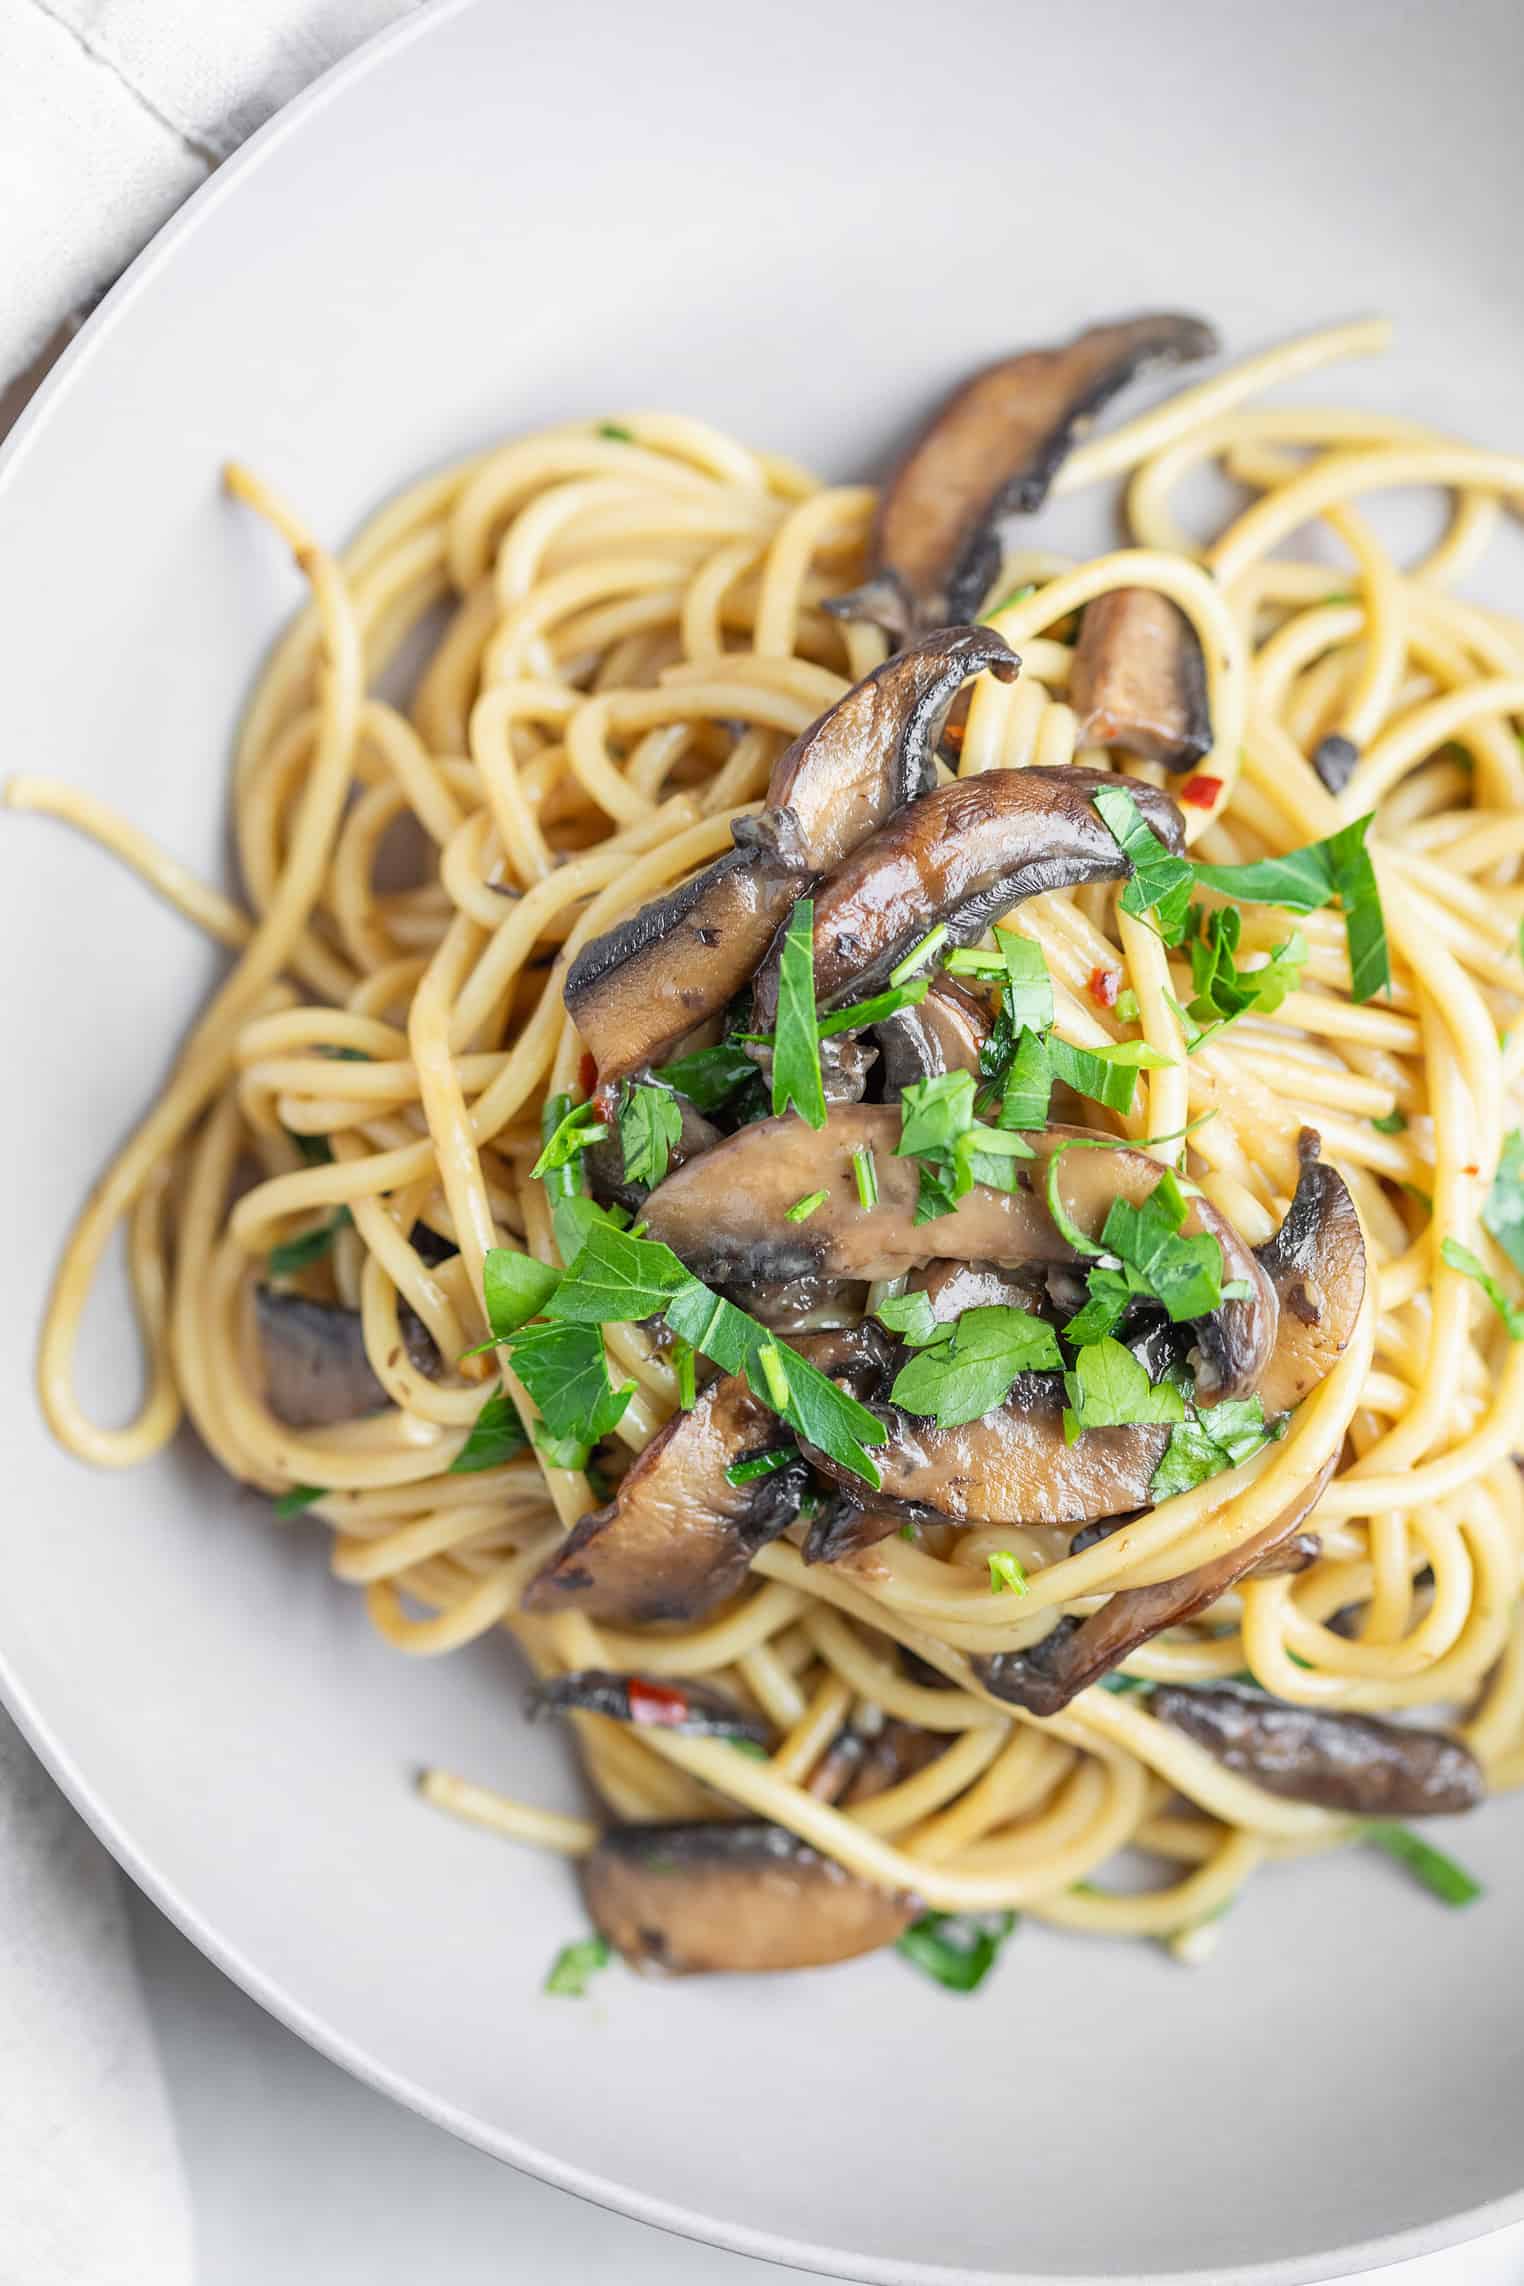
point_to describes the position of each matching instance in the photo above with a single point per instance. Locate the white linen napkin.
(111, 111)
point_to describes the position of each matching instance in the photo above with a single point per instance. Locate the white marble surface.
(298, 2172)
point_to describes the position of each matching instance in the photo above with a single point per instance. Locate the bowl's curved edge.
(619, 2198)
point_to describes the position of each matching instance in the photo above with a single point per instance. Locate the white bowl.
(802, 222)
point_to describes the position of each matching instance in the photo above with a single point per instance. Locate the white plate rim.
(1352, 2260)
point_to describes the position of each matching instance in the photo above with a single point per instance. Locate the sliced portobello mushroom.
(726, 1214)
(1138, 680)
(635, 992)
(1316, 1263)
(1334, 759)
(1044, 1678)
(991, 452)
(747, 1897)
(649, 1702)
(959, 858)
(857, 1765)
(945, 1032)
(1351, 1762)
(678, 1535)
(315, 1364)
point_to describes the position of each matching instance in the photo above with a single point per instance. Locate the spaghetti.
(631, 628)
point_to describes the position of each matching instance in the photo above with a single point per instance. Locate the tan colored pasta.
(634, 630)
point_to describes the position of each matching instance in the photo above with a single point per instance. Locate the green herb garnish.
(957, 1949)
(1218, 1437)
(1449, 1882)
(577, 1127)
(861, 1013)
(616, 434)
(300, 1253)
(1107, 1389)
(911, 1316)
(496, 1435)
(968, 1365)
(1161, 884)
(650, 1123)
(796, 1042)
(710, 1076)
(1461, 1258)
(1391, 1123)
(684, 1365)
(1106, 1075)
(1503, 1213)
(575, 1966)
(865, 1171)
(1017, 595)
(565, 1370)
(1006, 1574)
(299, 1497)
(765, 1464)
(515, 1288)
(1221, 989)
(802, 1209)
(919, 954)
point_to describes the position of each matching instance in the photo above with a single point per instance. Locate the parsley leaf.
(1305, 879)
(1395, 1123)
(796, 1043)
(764, 1464)
(1503, 1213)
(815, 1408)
(1210, 1441)
(1106, 1075)
(1461, 1258)
(300, 1496)
(1007, 1574)
(576, 1965)
(577, 1127)
(1448, 1881)
(912, 1317)
(934, 1113)
(802, 1209)
(496, 1435)
(1028, 994)
(1222, 990)
(515, 1288)
(293, 1254)
(861, 1013)
(565, 1371)
(1108, 1388)
(615, 1278)
(709, 1076)
(967, 1376)
(957, 1950)
(1185, 1274)
(1027, 1084)
(650, 1122)
(1161, 883)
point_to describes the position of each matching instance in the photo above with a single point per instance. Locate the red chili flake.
(1105, 985)
(587, 1072)
(952, 737)
(1201, 792)
(656, 1703)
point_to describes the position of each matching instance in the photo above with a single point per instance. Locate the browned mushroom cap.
(944, 1033)
(855, 1767)
(635, 992)
(1316, 1263)
(726, 1214)
(1079, 1651)
(696, 1709)
(748, 1897)
(678, 1536)
(959, 858)
(991, 451)
(316, 1368)
(1347, 1762)
(1138, 680)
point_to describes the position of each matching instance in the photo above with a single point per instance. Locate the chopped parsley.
(293, 1254)
(1221, 990)
(954, 1151)
(575, 1966)
(710, 1076)
(865, 1170)
(919, 954)
(577, 1127)
(1392, 1122)
(1503, 1213)
(1441, 1875)
(515, 1288)
(565, 1370)
(966, 1366)
(1141, 1253)
(796, 1042)
(1461, 1258)
(496, 1435)
(300, 1496)
(763, 1464)
(1107, 1388)
(1209, 1441)
(802, 1209)
(957, 1950)
(615, 433)
(650, 1122)
(912, 1317)
(861, 1013)
(1161, 884)
(685, 1367)
(1106, 1075)
(1017, 595)
(1006, 1574)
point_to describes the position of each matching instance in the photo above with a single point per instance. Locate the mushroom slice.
(315, 1363)
(1012, 1467)
(638, 990)
(1350, 1762)
(991, 451)
(1138, 680)
(946, 1032)
(1078, 1652)
(1316, 1263)
(749, 1897)
(959, 858)
(726, 1215)
(678, 1535)
(696, 1709)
